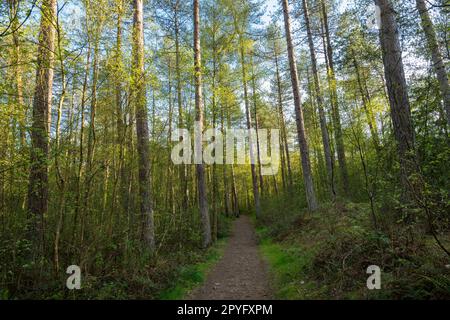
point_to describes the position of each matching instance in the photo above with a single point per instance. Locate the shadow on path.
(241, 274)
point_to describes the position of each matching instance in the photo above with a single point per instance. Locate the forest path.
(241, 274)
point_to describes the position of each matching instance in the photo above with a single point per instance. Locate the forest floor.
(325, 255)
(241, 274)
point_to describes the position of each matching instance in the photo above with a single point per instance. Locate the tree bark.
(202, 196)
(397, 91)
(322, 119)
(281, 115)
(234, 194)
(338, 136)
(241, 53)
(121, 111)
(228, 207)
(436, 56)
(304, 151)
(142, 133)
(255, 113)
(249, 127)
(91, 140)
(38, 181)
(16, 62)
(170, 204)
(183, 178)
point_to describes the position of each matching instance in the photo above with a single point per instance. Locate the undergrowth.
(110, 274)
(326, 255)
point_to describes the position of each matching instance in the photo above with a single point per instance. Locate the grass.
(191, 276)
(287, 269)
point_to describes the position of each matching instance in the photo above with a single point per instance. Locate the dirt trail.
(241, 274)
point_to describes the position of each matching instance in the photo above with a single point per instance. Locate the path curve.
(241, 274)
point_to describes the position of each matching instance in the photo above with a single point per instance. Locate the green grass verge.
(191, 276)
(288, 266)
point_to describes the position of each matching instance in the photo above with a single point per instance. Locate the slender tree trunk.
(255, 114)
(202, 196)
(398, 95)
(38, 182)
(304, 151)
(322, 119)
(215, 184)
(118, 70)
(365, 96)
(236, 208)
(59, 176)
(142, 133)
(183, 177)
(93, 109)
(338, 135)
(249, 127)
(169, 187)
(17, 61)
(121, 111)
(281, 114)
(283, 161)
(436, 56)
(81, 143)
(131, 147)
(228, 206)
(234, 194)
(90, 143)
(258, 153)
(214, 175)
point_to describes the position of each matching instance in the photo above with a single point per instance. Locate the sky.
(273, 5)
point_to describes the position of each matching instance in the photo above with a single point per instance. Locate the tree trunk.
(121, 111)
(91, 141)
(234, 194)
(436, 55)
(183, 178)
(322, 119)
(38, 181)
(81, 142)
(282, 120)
(228, 208)
(202, 196)
(249, 125)
(255, 114)
(397, 91)
(304, 151)
(16, 62)
(215, 183)
(365, 96)
(142, 133)
(338, 136)
(170, 205)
